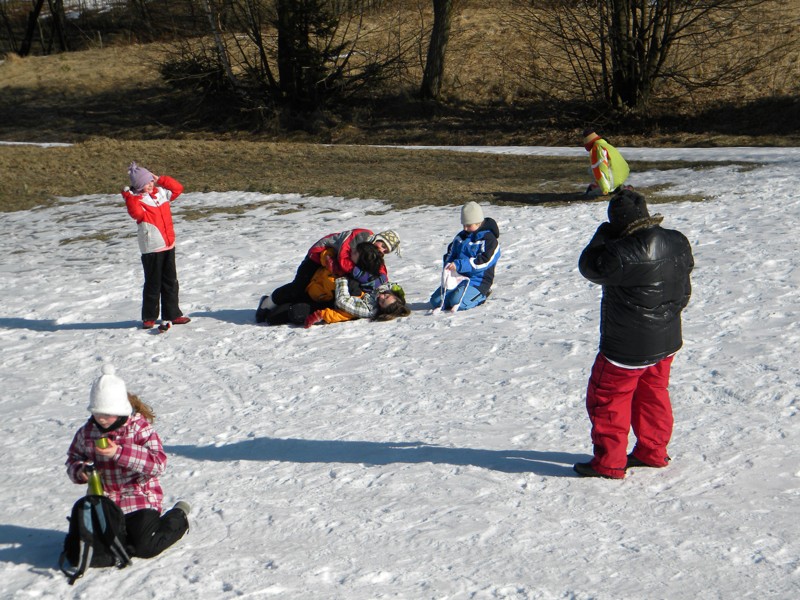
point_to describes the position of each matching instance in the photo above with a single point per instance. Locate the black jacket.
(645, 278)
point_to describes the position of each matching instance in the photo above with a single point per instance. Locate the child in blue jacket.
(469, 262)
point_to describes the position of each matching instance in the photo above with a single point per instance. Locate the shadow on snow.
(51, 325)
(237, 317)
(234, 316)
(553, 464)
(28, 546)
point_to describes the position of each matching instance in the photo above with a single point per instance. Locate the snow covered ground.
(428, 457)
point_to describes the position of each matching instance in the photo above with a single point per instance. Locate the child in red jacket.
(148, 201)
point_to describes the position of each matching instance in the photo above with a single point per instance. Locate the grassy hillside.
(113, 104)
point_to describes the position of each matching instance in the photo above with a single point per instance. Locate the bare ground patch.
(404, 178)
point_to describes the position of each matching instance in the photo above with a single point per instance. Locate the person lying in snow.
(342, 261)
(383, 303)
(321, 295)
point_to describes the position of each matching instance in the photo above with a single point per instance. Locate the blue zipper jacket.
(475, 254)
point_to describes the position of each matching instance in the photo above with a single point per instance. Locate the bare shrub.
(628, 54)
(292, 57)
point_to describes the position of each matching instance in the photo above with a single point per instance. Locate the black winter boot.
(635, 462)
(265, 306)
(586, 470)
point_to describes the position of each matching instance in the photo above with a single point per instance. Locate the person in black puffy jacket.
(645, 273)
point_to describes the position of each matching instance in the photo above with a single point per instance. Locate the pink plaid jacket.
(130, 477)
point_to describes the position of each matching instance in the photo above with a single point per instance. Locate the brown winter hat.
(625, 207)
(589, 137)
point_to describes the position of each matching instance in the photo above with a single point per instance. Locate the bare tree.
(621, 51)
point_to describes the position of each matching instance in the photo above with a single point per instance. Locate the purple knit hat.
(140, 177)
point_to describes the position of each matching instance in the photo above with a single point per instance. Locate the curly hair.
(394, 310)
(370, 259)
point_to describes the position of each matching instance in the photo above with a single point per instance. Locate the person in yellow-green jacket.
(609, 169)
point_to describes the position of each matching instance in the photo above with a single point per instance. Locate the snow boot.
(586, 470)
(635, 462)
(265, 306)
(184, 506)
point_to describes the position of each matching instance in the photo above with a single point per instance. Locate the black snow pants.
(149, 533)
(160, 286)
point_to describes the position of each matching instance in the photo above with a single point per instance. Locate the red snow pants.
(619, 399)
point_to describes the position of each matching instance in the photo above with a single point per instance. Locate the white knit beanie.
(471, 213)
(109, 395)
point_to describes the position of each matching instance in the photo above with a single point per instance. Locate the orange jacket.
(322, 288)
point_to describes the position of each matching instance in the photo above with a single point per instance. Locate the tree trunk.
(294, 23)
(286, 57)
(59, 23)
(434, 64)
(33, 16)
(222, 53)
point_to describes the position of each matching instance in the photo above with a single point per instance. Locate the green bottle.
(95, 483)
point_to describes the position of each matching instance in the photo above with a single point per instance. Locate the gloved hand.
(373, 284)
(353, 287)
(314, 318)
(367, 281)
(604, 232)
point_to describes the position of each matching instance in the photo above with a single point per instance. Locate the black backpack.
(96, 537)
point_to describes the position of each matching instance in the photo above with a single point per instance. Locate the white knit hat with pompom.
(109, 396)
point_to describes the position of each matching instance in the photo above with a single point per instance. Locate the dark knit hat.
(625, 207)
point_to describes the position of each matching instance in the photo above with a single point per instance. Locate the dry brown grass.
(79, 95)
(402, 177)
(114, 106)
